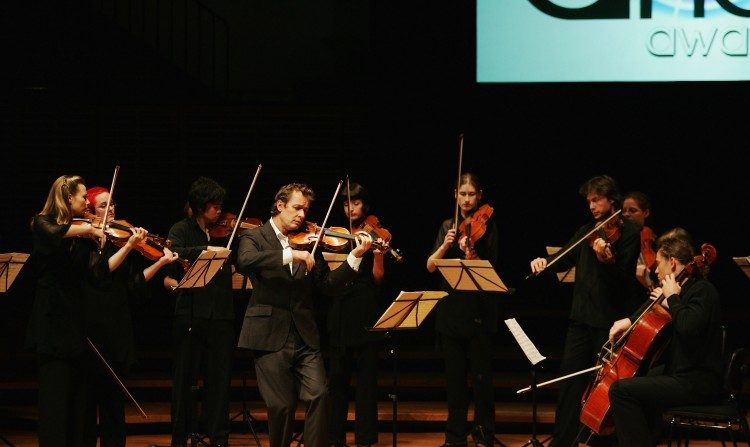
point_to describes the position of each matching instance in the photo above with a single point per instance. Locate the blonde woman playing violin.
(56, 330)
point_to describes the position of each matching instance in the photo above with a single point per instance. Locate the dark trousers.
(637, 404)
(105, 403)
(582, 344)
(206, 349)
(364, 359)
(295, 372)
(478, 349)
(62, 401)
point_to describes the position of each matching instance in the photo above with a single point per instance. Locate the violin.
(334, 239)
(642, 344)
(119, 231)
(610, 232)
(371, 225)
(475, 226)
(224, 226)
(648, 238)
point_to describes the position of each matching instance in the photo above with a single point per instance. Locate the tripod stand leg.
(245, 413)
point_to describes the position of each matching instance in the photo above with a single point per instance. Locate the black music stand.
(472, 275)
(407, 311)
(201, 272)
(242, 283)
(535, 358)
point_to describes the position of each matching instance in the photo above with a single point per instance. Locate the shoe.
(453, 444)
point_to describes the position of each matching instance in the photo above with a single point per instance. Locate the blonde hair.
(57, 204)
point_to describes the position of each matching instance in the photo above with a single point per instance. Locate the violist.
(466, 323)
(605, 290)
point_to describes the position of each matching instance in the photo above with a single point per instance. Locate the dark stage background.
(377, 91)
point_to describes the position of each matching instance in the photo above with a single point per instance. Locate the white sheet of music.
(523, 340)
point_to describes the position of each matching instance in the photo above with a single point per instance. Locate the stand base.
(533, 442)
(250, 421)
(198, 439)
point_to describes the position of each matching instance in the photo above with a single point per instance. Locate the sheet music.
(526, 345)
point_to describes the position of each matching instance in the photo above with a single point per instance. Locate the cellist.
(605, 290)
(692, 360)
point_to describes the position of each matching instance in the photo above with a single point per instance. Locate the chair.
(728, 417)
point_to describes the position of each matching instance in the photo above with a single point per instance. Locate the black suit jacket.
(281, 297)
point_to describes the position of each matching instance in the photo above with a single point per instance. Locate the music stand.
(535, 358)
(201, 272)
(744, 264)
(407, 311)
(204, 268)
(471, 275)
(566, 276)
(334, 259)
(10, 266)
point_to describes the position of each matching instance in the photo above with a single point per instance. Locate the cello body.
(649, 336)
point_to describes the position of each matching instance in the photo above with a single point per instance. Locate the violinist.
(605, 290)
(352, 346)
(203, 327)
(636, 206)
(467, 321)
(56, 327)
(691, 371)
(122, 277)
(279, 326)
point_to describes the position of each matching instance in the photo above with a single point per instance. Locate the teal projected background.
(612, 40)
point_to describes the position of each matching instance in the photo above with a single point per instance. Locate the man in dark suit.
(279, 325)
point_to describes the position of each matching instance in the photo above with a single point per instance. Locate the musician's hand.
(450, 236)
(138, 236)
(670, 286)
(538, 264)
(618, 328)
(169, 256)
(379, 246)
(603, 250)
(464, 243)
(364, 242)
(303, 257)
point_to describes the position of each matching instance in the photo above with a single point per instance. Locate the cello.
(634, 352)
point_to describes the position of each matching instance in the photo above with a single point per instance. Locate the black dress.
(56, 330)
